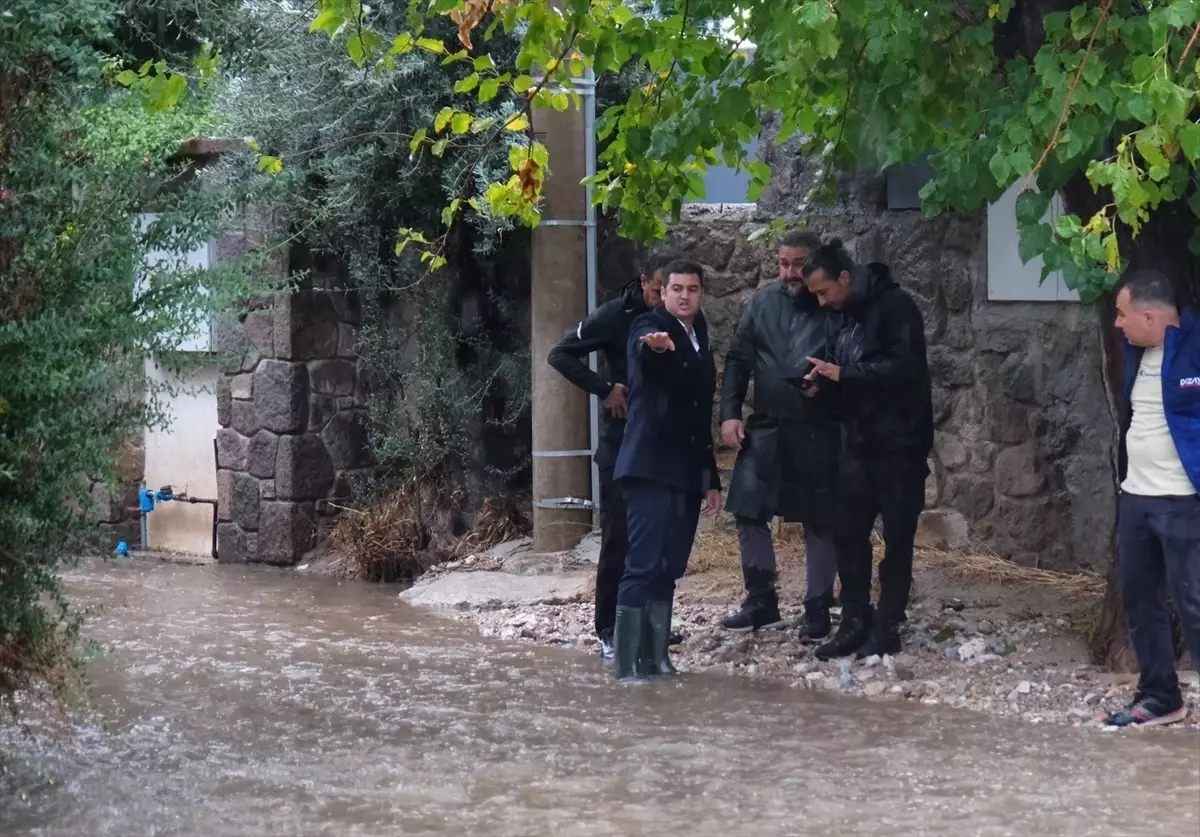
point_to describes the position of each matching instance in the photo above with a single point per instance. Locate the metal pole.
(589, 139)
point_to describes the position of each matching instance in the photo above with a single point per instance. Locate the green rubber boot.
(628, 636)
(658, 615)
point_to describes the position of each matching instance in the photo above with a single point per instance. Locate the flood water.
(240, 702)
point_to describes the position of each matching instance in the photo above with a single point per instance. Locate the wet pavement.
(250, 702)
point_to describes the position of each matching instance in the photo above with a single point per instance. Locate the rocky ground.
(1007, 648)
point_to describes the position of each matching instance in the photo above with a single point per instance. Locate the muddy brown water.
(241, 702)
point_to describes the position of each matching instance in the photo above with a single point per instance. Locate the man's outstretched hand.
(825, 369)
(616, 402)
(659, 341)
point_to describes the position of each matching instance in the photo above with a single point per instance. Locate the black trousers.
(662, 527)
(1158, 550)
(891, 486)
(614, 545)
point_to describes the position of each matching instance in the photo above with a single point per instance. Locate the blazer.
(668, 428)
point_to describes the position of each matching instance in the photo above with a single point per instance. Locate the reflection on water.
(258, 703)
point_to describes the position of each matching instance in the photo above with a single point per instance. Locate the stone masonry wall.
(1023, 443)
(293, 432)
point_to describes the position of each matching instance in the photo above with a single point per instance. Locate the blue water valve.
(146, 499)
(122, 549)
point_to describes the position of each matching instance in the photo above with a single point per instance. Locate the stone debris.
(1002, 665)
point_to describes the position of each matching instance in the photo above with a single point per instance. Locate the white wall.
(182, 456)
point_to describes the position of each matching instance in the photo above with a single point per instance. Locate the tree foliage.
(80, 157)
(1001, 92)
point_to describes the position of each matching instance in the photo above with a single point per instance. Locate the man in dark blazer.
(606, 331)
(666, 466)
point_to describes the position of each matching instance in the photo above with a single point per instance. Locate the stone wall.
(1023, 438)
(116, 512)
(293, 431)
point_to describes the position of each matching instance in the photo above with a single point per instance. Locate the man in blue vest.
(1158, 523)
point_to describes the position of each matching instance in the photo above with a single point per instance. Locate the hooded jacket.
(886, 397)
(606, 330)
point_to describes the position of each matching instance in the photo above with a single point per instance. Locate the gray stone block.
(321, 409)
(286, 532)
(224, 494)
(346, 439)
(305, 326)
(232, 449)
(245, 418)
(224, 402)
(347, 340)
(264, 447)
(332, 377)
(241, 386)
(231, 544)
(303, 469)
(1017, 473)
(260, 332)
(281, 395)
(245, 501)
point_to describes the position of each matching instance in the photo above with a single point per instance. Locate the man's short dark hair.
(659, 258)
(831, 259)
(805, 239)
(684, 267)
(1148, 286)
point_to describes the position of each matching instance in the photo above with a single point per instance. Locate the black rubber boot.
(628, 636)
(885, 639)
(816, 623)
(851, 635)
(658, 616)
(761, 608)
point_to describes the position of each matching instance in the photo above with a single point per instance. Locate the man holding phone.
(787, 449)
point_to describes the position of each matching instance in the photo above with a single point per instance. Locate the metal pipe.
(589, 127)
(212, 503)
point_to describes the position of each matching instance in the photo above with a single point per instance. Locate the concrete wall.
(182, 456)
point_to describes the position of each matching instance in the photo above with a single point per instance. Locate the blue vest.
(1180, 390)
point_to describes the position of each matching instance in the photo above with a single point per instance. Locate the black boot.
(627, 643)
(658, 616)
(761, 608)
(885, 639)
(816, 622)
(851, 635)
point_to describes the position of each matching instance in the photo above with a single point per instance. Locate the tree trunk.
(1162, 244)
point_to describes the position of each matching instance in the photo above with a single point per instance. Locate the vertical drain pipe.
(589, 127)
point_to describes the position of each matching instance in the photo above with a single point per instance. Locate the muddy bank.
(1006, 648)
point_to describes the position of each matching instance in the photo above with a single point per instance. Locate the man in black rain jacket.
(606, 330)
(878, 363)
(788, 448)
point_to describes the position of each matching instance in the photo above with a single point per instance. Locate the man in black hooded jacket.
(877, 360)
(606, 330)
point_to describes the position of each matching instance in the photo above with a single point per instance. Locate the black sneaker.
(758, 613)
(816, 623)
(606, 644)
(885, 639)
(675, 639)
(851, 635)
(1148, 712)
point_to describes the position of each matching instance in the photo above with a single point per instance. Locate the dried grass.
(716, 553)
(399, 536)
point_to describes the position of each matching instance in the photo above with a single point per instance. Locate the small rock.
(814, 677)
(950, 653)
(903, 671)
(985, 627)
(832, 684)
(1024, 687)
(866, 674)
(972, 649)
(872, 661)
(953, 604)
(900, 689)
(875, 688)
(1081, 714)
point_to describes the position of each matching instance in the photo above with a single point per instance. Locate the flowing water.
(240, 702)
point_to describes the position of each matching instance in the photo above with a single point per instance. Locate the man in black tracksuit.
(877, 360)
(606, 330)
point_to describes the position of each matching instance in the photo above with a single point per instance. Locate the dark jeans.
(758, 553)
(662, 527)
(891, 486)
(614, 543)
(1158, 546)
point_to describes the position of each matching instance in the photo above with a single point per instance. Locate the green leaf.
(467, 84)
(522, 83)
(482, 63)
(354, 46)
(1068, 226)
(442, 119)
(560, 101)
(1170, 101)
(517, 123)
(1033, 241)
(1000, 167)
(439, 147)
(415, 143)
(489, 89)
(461, 123)
(327, 21)
(432, 45)
(270, 165)
(1144, 67)
(1189, 141)
(1032, 208)
(126, 77)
